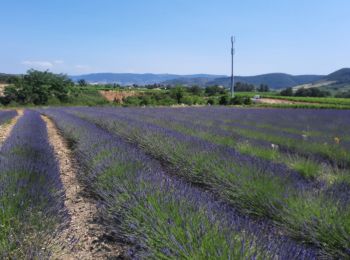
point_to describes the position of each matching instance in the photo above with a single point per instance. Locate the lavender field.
(177, 183)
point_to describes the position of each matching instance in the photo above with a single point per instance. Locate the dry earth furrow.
(83, 236)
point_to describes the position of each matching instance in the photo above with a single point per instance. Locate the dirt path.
(5, 129)
(83, 238)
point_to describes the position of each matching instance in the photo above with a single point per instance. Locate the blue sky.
(174, 36)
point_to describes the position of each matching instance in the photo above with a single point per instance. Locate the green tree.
(177, 93)
(224, 100)
(37, 87)
(188, 100)
(263, 88)
(244, 87)
(195, 90)
(343, 94)
(240, 100)
(287, 92)
(311, 92)
(214, 90)
(82, 83)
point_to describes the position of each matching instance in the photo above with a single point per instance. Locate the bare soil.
(280, 101)
(117, 96)
(83, 238)
(2, 87)
(5, 129)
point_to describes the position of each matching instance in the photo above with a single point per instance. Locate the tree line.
(47, 88)
(305, 92)
(38, 88)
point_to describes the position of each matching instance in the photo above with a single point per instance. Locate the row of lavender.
(205, 125)
(320, 132)
(31, 204)
(311, 212)
(6, 116)
(160, 215)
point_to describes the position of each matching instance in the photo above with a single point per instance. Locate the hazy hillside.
(140, 79)
(6, 78)
(341, 76)
(200, 81)
(337, 81)
(274, 80)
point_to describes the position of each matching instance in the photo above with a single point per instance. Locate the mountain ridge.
(273, 80)
(137, 78)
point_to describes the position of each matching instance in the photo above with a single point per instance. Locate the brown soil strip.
(282, 101)
(83, 237)
(117, 96)
(5, 129)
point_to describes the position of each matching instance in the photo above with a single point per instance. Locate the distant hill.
(6, 78)
(199, 81)
(337, 81)
(340, 76)
(273, 80)
(139, 79)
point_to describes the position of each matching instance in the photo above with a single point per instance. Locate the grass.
(305, 166)
(332, 152)
(321, 100)
(304, 106)
(87, 97)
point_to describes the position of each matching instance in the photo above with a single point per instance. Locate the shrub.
(214, 90)
(244, 87)
(211, 101)
(247, 101)
(224, 100)
(197, 100)
(132, 101)
(147, 101)
(240, 100)
(195, 90)
(311, 92)
(188, 100)
(287, 92)
(166, 101)
(343, 94)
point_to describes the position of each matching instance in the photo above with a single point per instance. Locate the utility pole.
(233, 40)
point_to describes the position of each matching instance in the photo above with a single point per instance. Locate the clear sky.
(174, 36)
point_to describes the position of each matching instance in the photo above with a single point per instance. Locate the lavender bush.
(31, 204)
(161, 215)
(255, 186)
(6, 116)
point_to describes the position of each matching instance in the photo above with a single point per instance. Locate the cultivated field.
(183, 183)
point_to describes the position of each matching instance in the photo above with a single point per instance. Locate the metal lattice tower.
(233, 50)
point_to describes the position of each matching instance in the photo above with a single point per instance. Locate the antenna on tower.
(233, 50)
